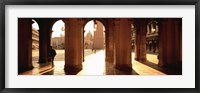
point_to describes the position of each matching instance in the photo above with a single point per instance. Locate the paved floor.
(94, 65)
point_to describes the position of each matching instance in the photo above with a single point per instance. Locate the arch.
(53, 21)
(93, 40)
(58, 23)
(35, 24)
(103, 21)
(152, 26)
(152, 39)
(37, 21)
(57, 38)
(35, 43)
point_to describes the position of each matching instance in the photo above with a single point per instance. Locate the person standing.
(52, 54)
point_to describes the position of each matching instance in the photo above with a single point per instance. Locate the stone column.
(109, 42)
(122, 45)
(43, 40)
(147, 46)
(49, 39)
(51, 31)
(156, 28)
(148, 29)
(170, 42)
(140, 40)
(24, 44)
(84, 45)
(178, 41)
(73, 44)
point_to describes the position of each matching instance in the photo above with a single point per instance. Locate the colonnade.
(117, 41)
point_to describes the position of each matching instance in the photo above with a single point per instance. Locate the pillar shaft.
(110, 42)
(122, 45)
(140, 41)
(73, 44)
(43, 41)
(170, 42)
(24, 44)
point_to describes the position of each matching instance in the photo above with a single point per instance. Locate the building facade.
(98, 41)
(58, 42)
(88, 41)
(35, 39)
(151, 37)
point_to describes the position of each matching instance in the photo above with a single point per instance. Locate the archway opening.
(133, 34)
(35, 43)
(152, 42)
(58, 42)
(94, 37)
(94, 47)
(145, 48)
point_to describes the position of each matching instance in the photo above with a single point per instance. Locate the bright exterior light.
(153, 30)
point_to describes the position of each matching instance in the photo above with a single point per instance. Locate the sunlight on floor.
(95, 65)
(142, 69)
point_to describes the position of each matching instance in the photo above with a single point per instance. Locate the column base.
(169, 65)
(23, 69)
(141, 59)
(124, 67)
(172, 69)
(72, 69)
(43, 61)
(109, 59)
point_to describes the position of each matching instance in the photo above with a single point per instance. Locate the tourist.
(52, 54)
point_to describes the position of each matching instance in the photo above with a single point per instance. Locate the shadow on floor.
(166, 70)
(53, 72)
(111, 70)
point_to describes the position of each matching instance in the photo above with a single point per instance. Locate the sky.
(89, 27)
(59, 24)
(35, 25)
(57, 29)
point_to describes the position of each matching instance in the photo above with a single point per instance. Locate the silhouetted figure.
(52, 54)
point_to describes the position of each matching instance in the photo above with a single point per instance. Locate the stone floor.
(95, 65)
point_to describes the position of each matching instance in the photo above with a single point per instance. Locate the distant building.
(58, 42)
(98, 41)
(88, 41)
(151, 37)
(35, 39)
